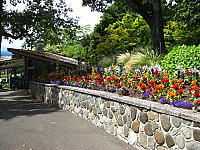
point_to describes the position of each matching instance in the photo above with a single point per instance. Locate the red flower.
(187, 72)
(175, 86)
(143, 86)
(180, 91)
(144, 78)
(198, 102)
(153, 81)
(149, 86)
(196, 94)
(164, 80)
(156, 72)
(195, 87)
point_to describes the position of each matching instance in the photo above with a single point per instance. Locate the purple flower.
(146, 95)
(85, 86)
(68, 84)
(164, 101)
(76, 84)
(182, 104)
(57, 82)
(103, 89)
(112, 90)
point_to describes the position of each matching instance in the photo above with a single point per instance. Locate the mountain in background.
(4, 52)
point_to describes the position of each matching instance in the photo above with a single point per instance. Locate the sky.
(86, 17)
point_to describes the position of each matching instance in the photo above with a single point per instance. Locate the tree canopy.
(39, 21)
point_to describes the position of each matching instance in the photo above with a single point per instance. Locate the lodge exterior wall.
(143, 124)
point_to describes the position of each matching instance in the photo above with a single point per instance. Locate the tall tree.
(39, 20)
(150, 10)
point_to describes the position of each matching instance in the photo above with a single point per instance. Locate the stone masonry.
(144, 124)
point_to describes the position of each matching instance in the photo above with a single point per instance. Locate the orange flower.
(171, 94)
(153, 91)
(123, 77)
(172, 80)
(195, 87)
(161, 86)
(180, 81)
(128, 82)
(193, 82)
(140, 83)
(134, 76)
(157, 87)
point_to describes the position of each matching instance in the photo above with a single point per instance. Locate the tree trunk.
(156, 26)
(153, 18)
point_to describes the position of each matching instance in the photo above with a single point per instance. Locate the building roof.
(45, 56)
(9, 63)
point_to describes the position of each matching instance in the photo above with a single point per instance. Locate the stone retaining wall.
(144, 124)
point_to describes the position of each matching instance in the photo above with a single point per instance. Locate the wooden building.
(36, 63)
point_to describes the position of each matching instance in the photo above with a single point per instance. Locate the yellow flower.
(147, 73)
(92, 69)
(128, 70)
(113, 67)
(165, 73)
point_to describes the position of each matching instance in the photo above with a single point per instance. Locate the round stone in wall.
(124, 119)
(151, 115)
(110, 114)
(133, 111)
(151, 144)
(196, 135)
(107, 104)
(129, 122)
(126, 131)
(180, 142)
(176, 122)
(143, 117)
(174, 131)
(186, 132)
(148, 129)
(121, 110)
(154, 126)
(169, 141)
(165, 122)
(187, 122)
(143, 140)
(119, 121)
(193, 145)
(159, 137)
(135, 126)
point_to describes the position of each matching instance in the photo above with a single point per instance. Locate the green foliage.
(39, 21)
(178, 33)
(123, 35)
(71, 47)
(184, 56)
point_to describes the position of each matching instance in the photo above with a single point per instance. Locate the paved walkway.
(27, 124)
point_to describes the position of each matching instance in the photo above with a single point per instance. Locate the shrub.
(182, 56)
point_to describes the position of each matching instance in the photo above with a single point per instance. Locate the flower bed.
(151, 84)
